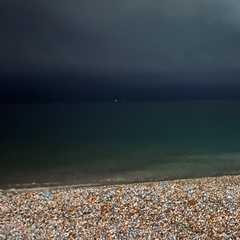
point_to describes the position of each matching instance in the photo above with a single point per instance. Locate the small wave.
(188, 166)
(222, 156)
(44, 186)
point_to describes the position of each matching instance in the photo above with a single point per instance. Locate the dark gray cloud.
(136, 36)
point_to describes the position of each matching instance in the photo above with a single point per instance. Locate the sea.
(97, 143)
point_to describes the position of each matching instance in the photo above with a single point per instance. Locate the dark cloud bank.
(102, 50)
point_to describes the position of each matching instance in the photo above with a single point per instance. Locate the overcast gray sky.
(121, 36)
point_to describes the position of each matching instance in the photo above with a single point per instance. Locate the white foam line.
(99, 184)
(49, 187)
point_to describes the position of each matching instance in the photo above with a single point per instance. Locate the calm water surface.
(98, 143)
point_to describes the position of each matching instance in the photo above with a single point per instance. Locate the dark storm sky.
(101, 50)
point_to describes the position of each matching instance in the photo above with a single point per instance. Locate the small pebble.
(201, 208)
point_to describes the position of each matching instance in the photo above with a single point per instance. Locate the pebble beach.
(201, 208)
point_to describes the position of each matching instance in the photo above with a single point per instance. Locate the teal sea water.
(99, 143)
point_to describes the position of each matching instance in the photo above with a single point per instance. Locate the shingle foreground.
(203, 208)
